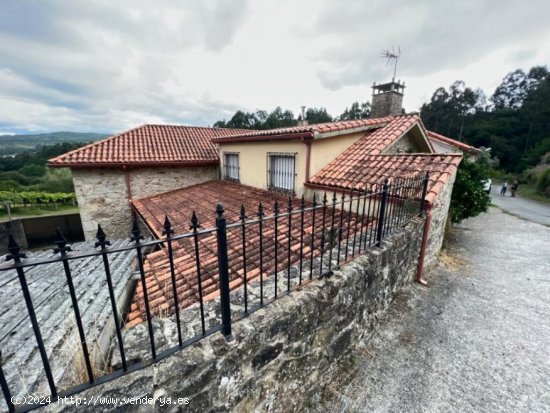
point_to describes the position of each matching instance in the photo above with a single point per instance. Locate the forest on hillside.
(14, 144)
(514, 121)
(27, 171)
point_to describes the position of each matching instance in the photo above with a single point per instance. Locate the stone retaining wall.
(283, 355)
(440, 212)
(14, 227)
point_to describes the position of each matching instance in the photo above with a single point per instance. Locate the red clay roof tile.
(179, 205)
(149, 145)
(357, 169)
(319, 128)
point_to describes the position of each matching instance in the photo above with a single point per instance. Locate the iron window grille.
(281, 171)
(231, 166)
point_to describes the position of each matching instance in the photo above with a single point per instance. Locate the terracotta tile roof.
(313, 130)
(376, 142)
(202, 198)
(461, 145)
(354, 169)
(149, 145)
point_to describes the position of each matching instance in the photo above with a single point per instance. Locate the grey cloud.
(102, 64)
(433, 35)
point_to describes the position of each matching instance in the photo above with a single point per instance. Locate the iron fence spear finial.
(14, 250)
(101, 238)
(136, 234)
(242, 214)
(61, 243)
(167, 227)
(195, 221)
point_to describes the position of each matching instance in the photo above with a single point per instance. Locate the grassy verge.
(25, 212)
(529, 191)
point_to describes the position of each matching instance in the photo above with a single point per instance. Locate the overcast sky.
(107, 65)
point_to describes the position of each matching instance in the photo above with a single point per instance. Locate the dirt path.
(477, 339)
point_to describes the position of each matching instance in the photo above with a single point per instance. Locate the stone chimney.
(302, 121)
(387, 99)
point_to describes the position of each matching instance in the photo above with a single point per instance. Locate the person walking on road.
(514, 188)
(504, 188)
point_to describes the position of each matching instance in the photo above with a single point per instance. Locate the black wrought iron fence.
(235, 267)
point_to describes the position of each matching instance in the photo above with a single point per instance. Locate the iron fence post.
(103, 243)
(16, 255)
(289, 210)
(168, 231)
(62, 249)
(276, 223)
(195, 227)
(5, 388)
(223, 266)
(242, 216)
(137, 237)
(424, 192)
(380, 227)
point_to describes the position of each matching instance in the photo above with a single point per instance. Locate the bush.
(9, 185)
(543, 183)
(468, 198)
(55, 180)
(36, 198)
(33, 170)
(21, 179)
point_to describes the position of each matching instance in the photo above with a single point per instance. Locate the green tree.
(543, 183)
(318, 115)
(279, 118)
(240, 120)
(468, 198)
(33, 170)
(515, 87)
(356, 111)
(447, 110)
(260, 120)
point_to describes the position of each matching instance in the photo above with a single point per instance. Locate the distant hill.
(12, 144)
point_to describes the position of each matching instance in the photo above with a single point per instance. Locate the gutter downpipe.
(308, 157)
(425, 236)
(128, 189)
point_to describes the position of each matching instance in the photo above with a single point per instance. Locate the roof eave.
(263, 138)
(349, 131)
(90, 165)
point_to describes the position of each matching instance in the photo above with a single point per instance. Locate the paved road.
(476, 339)
(522, 207)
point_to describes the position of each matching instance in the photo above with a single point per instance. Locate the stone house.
(137, 163)
(272, 165)
(157, 171)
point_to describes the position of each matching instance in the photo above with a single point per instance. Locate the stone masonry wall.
(440, 212)
(283, 355)
(403, 145)
(103, 198)
(388, 103)
(14, 227)
(150, 181)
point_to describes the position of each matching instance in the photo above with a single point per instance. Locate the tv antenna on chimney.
(392, 55)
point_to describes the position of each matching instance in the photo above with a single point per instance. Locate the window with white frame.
(231, 165)
(281, 171)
